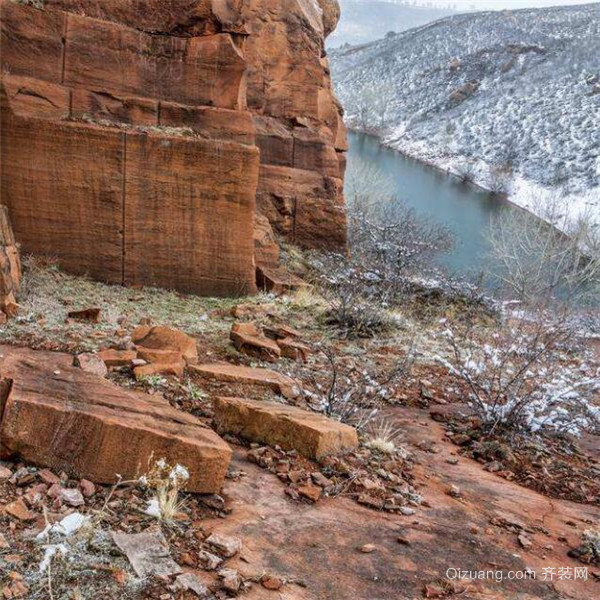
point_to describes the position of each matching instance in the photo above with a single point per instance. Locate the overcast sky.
(500, 4)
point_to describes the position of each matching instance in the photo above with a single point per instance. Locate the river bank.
(563, 211)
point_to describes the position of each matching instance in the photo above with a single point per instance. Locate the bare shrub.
(539, 264)
(500, 178)
(352, 396)
(389, 247)
(466, 171)
(521, 378)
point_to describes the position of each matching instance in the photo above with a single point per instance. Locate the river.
(463, 208)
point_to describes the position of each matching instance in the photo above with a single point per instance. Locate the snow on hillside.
(364, 21)
(508, 99)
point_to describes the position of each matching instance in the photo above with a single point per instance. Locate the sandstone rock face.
(59, 416)
(140, 137)
(292, 428)
(10, 268)
(299, 127)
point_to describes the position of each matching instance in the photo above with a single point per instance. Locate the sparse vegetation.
(390, 248)
(383, 435)
(166, 481)
(519, 378)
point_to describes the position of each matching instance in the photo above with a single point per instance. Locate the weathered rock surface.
(161, 338)
(239, 374)
(311, 434)
(148, 553)
(248, 339)
(61, 417)
(277, 280)
(154, 108)
(10, 267)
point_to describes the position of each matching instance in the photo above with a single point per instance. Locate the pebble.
(271, 583)
(208, 560)
(524, 541)
(231, 579)
(454, 491)
(225, 545)
(368, 548)
(71, 496)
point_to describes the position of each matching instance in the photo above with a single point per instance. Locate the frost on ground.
(510, 100)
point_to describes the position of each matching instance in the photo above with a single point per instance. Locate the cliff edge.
(160, 142)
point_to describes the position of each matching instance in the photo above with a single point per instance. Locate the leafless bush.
(466, 171)
(539, 264)
(352, 396)
(521, 378)
(389, 248)
(499, 178)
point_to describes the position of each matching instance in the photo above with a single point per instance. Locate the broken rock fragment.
(226, 545)
(117, 358)
(90, 428)
(91, 363)
(291, 348)
(311, 434)
(175, 369)
(277, 280)
(148, 553)
(222, 371)
(10, 268)
(248, 339)
(165, 338)
(92, 315)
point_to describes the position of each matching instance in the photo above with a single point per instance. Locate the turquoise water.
(464, 209)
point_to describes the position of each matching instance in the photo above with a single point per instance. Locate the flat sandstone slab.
(311, 434)
(223, 371)
(59, 416)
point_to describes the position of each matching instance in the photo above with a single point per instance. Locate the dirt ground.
(470, 520)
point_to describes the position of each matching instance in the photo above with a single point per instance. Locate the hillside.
(364, 21)
(514, 92)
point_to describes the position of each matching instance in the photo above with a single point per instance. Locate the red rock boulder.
(61, 417)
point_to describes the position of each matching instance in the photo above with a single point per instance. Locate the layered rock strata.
(139, 139)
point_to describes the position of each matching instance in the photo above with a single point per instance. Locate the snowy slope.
(516, 92)
(364, 21)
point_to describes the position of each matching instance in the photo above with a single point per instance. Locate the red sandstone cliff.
(140, 138)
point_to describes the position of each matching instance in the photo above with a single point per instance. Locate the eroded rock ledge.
(140, 140)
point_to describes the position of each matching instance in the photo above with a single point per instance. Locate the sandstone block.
(117, 358)
(189, 214)
(278, 280)
(303, 206)
(247, 338)
(160, 356)
(88, 427)
(266, 248)
(165, 339)
(30, 97)
(214, 123)
(279, 383)
(204, 70)
(31, 41)
(175, 369)
(113, 107)
(292, 348)
(311, 434)
(74, 212)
